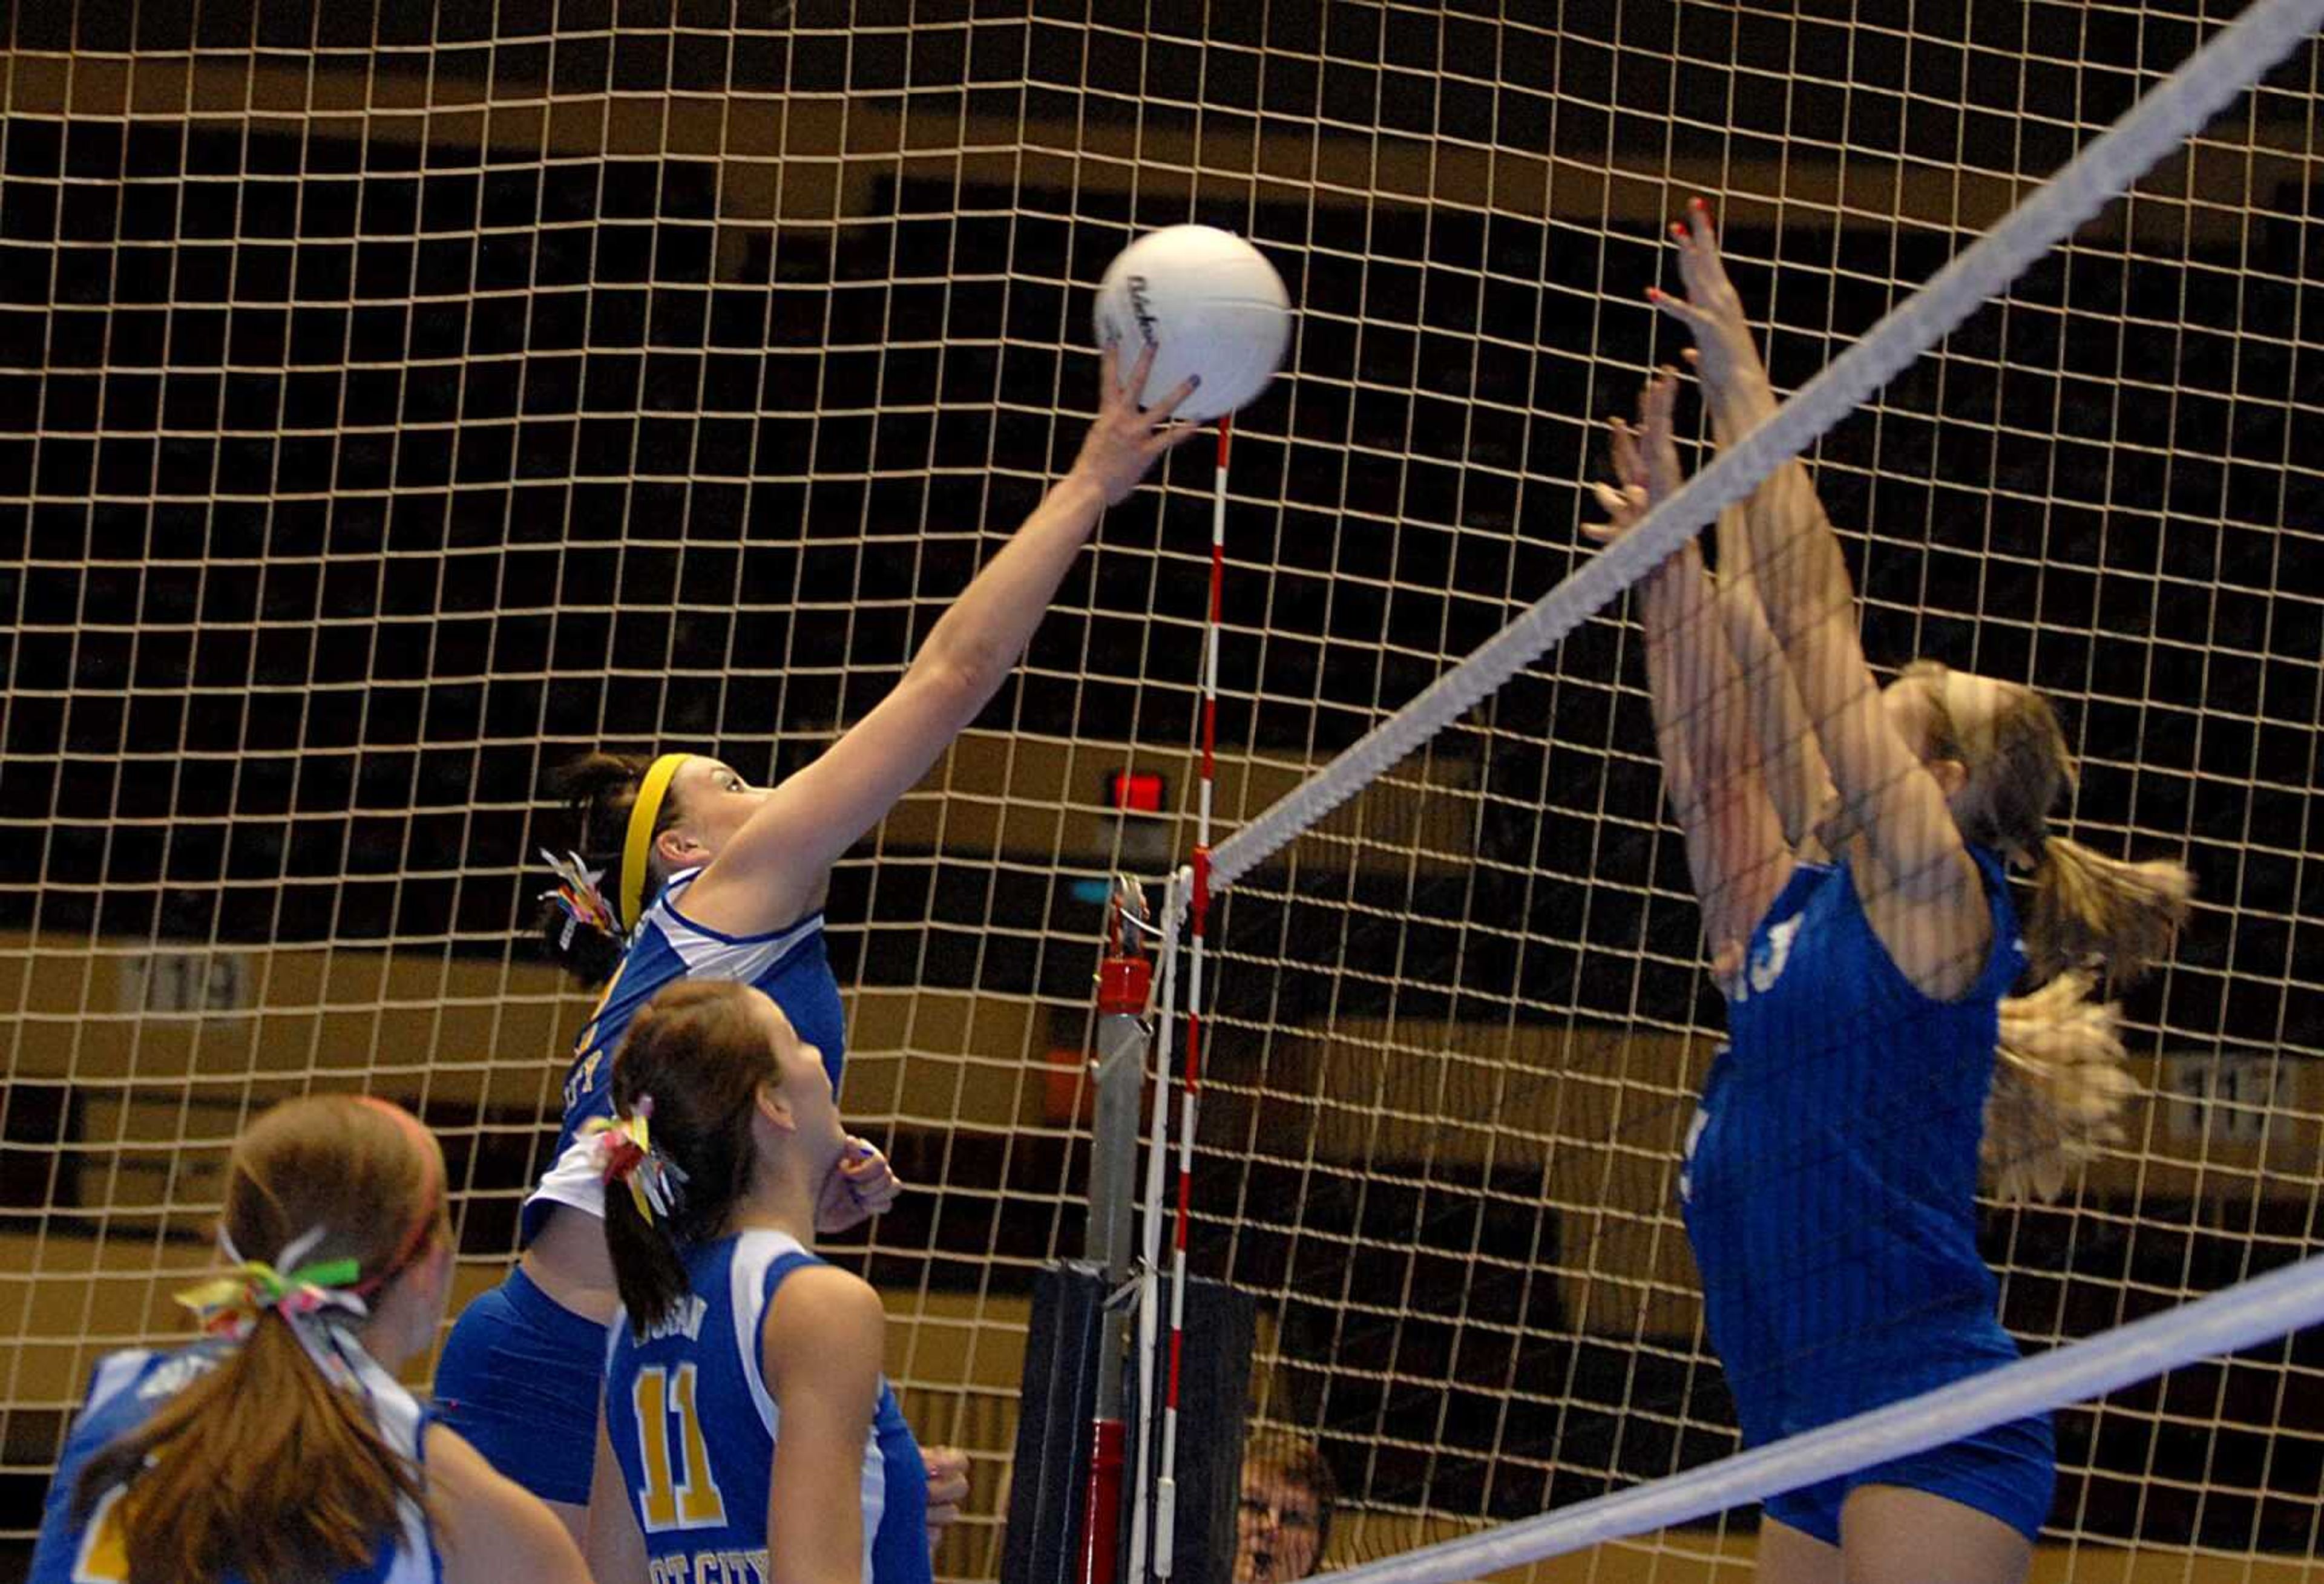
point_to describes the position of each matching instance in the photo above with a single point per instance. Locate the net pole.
(2175, 110)
(1149, 1267)
(1190, 1083)
(1125, 981)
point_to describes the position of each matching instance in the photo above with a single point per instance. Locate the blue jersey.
(790, 965)
(1830, 1182)
(127, 1389)
(694, 1428)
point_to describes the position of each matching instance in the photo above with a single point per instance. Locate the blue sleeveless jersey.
(790, 965)
(129, 1388)
(1830, 1180)
(694, 1427)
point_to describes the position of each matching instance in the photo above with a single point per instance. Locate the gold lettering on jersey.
(711, 1567)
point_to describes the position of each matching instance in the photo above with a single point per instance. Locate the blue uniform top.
(128, 1388)
(694, 1426)
(1830, 1182)
(790, 965)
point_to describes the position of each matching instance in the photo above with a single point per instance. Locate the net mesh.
(401, 400)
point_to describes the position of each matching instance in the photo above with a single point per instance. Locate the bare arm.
(493, 1530)
(1802, 579)
(616, 1547)
(820, 1348)
(774, 869)
(1799, 782)
(1734, 845)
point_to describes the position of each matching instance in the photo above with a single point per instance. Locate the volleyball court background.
(396, 405)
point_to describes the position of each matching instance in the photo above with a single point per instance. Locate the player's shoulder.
(820, 1306)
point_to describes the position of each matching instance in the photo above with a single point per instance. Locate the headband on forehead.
(431, 1209)
(638, 846)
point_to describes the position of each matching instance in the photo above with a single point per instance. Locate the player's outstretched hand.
(860, 1187)
(1127, 436)
(1711, 309)
(947, 1487)
(1645, 461)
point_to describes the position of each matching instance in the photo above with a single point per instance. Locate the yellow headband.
(639, 846)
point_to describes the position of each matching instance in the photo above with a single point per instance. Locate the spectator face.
(1278, 1529)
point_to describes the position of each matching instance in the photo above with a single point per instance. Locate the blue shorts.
(2007, 1472)
(519, 1381)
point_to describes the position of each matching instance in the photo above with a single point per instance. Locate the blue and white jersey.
(790, 965)
(693, 1427)
(129, 1388)
(1830, 1178)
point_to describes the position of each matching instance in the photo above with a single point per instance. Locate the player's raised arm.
(1734, 845)
(1801, 578)
(773, 868)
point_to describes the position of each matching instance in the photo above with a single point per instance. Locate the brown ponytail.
(2088, 909)
(261, 1469)
(699, 1051)
(600, 789)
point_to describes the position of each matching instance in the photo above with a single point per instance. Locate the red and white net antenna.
(1198, 909)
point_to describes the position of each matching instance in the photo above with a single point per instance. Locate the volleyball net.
(1484, 1286)
(400, 403)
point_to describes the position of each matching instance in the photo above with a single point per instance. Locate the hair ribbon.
(626, 1155)
(231, 1305)
(579, 891)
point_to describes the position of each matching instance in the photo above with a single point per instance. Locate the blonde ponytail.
(2059, 1092)
(2089, 907)
(2058, 1084)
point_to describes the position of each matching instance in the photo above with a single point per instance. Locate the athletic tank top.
(694, 1426)
(1830, 1180)
(790, 965)
(129, 1388)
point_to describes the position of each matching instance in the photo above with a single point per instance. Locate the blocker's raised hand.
(1645, 461)
(1711, 309)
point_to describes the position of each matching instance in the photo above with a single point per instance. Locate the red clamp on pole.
(1125, 975)
(1123, 986)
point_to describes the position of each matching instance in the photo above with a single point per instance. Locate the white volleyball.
(1210, 301)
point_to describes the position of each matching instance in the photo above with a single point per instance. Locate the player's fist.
(948, 1488)
(860, 1187)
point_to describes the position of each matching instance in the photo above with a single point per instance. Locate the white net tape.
(2257, 1311)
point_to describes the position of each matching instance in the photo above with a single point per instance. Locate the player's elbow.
(961, 675)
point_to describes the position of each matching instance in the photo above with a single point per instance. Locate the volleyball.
(1210, 301)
